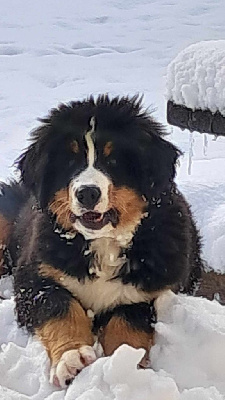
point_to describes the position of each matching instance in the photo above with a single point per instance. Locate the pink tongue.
(92, 216)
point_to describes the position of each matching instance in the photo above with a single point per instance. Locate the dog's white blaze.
(90, 144)
(90, 177)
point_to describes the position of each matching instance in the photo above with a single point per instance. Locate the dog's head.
(96, 164)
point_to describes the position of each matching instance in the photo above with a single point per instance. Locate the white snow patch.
(190, 343)
(187, 359)
(209, 208)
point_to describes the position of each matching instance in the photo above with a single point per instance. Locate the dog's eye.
(74, 146)
(107, 149)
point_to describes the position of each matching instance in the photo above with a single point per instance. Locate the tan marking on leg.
(107, 149)
(69, 332)
(50, 272)
(5, 231)
(118, 332)
(60, 207)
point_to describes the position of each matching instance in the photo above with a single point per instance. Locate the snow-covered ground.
(53, 51)
(188, 360)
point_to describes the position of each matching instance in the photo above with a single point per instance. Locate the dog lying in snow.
(96, 223)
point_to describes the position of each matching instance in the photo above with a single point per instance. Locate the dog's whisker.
(57, 209)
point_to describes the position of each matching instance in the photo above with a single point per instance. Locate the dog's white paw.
(70, 364)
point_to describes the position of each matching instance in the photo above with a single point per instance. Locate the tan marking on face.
(90, 144)
(5, 232)
(128, 203)
(107, 149)
(68, 332)
(131, 209)
(118, 332)
(74, 146)
(60, 207)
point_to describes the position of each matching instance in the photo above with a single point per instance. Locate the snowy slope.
(54, 51)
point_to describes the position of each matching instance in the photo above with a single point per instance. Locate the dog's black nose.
(88, 196)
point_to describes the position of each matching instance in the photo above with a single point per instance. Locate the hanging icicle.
(205, 144)
(191, 153)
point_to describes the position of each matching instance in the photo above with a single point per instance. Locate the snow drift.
(187, 359)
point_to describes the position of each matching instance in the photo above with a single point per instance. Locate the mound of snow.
(196, 77)
(188, 360)
(209, 209)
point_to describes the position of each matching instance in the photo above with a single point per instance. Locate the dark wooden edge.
(203, 121)
(212, 286)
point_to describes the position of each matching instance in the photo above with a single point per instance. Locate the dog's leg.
(127, 324)
(68, 341)
(52, 313)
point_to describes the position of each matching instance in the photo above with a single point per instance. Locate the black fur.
(141, 316)
(49, 164)
(38, 299)
(166, 248)
(12, 198)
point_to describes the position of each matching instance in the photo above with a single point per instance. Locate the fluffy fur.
(98, 223)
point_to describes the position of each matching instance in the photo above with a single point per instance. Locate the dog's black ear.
(32, 164)
(161, 159)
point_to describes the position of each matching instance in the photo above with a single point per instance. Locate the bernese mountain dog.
(96, 230)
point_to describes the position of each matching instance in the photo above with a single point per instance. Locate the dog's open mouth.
(95, 220)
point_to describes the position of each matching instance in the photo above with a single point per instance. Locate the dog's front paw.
(70, 364)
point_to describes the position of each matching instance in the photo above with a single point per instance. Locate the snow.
(53, 51)
(208, 203)
(187, 360)
(196, 77)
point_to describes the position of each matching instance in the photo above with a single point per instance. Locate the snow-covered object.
(188, 360)
(196, 77)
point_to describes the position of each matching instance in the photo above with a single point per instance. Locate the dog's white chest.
(100, 293)
(103, 291)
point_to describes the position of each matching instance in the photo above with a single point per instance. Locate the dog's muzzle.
(95, 220)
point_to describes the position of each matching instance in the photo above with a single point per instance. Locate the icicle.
(171, 132)
(205, 144)
(191, 153)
